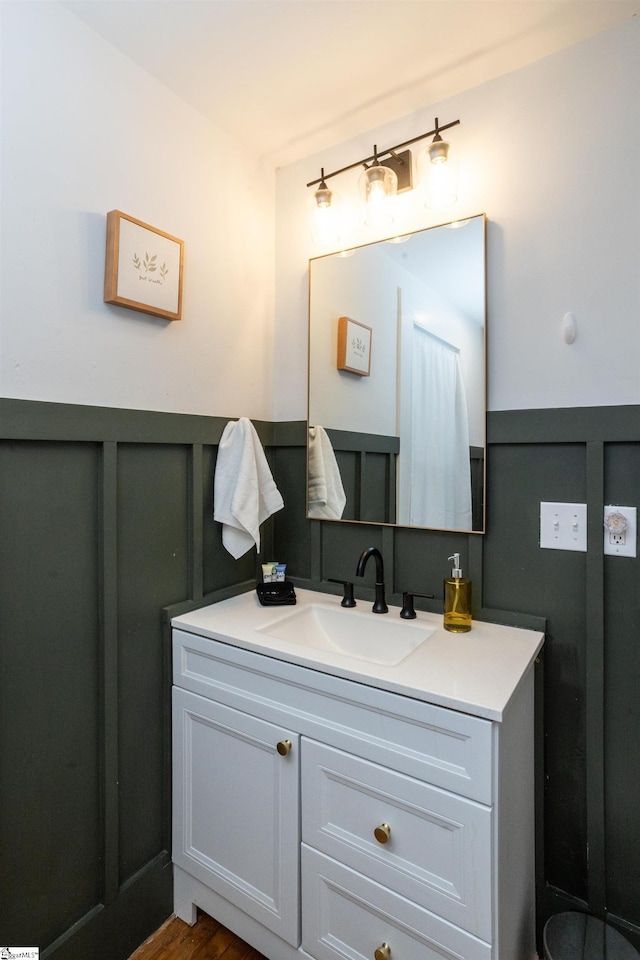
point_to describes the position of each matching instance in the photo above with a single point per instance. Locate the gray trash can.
(578, 936)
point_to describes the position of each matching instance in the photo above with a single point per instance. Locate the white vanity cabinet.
(321, 817)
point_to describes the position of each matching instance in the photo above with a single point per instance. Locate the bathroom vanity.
(351, 785)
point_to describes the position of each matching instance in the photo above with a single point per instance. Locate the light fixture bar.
(383, 153)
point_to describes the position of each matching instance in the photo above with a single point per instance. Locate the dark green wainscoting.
(368, 468)
(106, 524)
(367, 464)
(106, 518)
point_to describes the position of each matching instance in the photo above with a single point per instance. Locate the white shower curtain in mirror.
(440, 469)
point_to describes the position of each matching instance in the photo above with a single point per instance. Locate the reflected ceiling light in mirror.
(378, 189)
(439, 173)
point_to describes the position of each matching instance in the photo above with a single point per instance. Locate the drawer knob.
(283, 747)
(382, 834)
(383, 952)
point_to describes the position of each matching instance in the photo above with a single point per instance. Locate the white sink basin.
(365, 636)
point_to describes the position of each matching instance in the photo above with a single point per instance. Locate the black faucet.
(379, 605)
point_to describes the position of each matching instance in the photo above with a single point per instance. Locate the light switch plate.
(563, 526)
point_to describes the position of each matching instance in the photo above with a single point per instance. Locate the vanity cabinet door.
(236, 809)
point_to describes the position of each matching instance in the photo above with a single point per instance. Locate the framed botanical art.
(354, 347)
(143, 267)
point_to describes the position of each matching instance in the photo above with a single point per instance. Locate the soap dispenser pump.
(457, 599)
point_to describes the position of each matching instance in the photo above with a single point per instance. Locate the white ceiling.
(292, 77)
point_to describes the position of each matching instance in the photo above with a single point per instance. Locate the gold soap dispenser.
(457, 599)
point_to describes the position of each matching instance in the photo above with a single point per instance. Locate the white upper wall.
(551, 153)
(85, 131)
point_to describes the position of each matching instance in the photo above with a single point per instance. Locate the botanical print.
(148, 267)
(357, 348)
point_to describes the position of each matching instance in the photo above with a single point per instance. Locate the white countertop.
(476, 672)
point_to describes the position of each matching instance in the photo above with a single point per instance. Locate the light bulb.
(326, 216)
(378, 186)
(323, 196)
(438, 150)
(439, 175)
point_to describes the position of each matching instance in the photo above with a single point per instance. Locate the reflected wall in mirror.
(406, 444)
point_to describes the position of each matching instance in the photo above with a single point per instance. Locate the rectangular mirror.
(397, 434)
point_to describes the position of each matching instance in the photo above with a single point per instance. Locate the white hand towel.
(326, 494)
(244, 491)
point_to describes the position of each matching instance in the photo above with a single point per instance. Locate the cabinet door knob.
(382, 834)
(383, 952)
(283, 747)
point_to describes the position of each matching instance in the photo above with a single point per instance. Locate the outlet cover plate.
(563, 526)
(625, 545)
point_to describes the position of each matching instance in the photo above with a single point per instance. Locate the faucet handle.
(347, 599)
(408, 612)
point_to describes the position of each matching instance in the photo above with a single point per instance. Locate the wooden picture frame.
(143, 267)
(354, 347)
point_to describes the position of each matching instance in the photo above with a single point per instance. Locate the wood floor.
(206, 940)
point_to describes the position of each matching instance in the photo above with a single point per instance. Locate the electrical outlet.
(620, 531)
(563, 526)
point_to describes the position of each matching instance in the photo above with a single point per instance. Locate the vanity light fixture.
(377, 180)
(378, 188)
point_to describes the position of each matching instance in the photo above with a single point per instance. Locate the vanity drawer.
(438, 851)
(347, 915)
